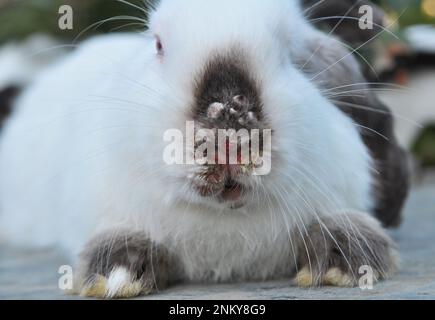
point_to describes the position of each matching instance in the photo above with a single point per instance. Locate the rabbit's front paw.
(119, 284)
(339, 250)
(122, 265)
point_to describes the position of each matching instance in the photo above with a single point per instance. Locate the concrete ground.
(25, 274)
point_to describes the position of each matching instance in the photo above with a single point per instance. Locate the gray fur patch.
(330, 12)
(145, 260)
(7, 97)
(347, 89)
(346, 242)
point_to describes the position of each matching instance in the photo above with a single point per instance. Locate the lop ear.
(327, 14)
(337, 72)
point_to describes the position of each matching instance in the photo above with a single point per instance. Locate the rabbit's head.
(251, 118)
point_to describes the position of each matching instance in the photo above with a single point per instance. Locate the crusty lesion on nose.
(223, 113)
(227, 96)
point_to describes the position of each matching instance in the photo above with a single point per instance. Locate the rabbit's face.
(249, 105)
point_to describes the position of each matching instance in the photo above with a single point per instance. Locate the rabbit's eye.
(159, 46)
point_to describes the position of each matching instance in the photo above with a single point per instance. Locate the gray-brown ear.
(337, 72)
(7, 97)
(327, 15)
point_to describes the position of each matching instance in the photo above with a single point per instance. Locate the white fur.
(118, 278)
(83, 152)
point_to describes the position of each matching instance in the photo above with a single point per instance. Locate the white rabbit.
(82, 157)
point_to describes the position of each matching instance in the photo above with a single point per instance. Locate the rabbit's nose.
(227, 96)
(237, 109)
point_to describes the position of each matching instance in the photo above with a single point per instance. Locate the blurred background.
(406, 59)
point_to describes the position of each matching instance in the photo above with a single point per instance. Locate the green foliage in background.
(424, 147)
(409, 11)
(21, 18)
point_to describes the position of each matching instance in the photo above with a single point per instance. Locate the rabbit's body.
(82, 156)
